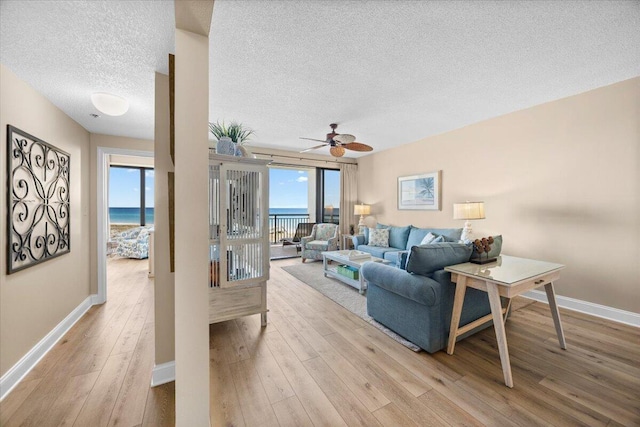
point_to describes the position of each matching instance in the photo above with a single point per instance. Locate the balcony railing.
(283, 226)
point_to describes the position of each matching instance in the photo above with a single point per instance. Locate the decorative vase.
(226, 146)
(245, 152)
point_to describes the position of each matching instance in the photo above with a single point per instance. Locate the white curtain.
(348, 196)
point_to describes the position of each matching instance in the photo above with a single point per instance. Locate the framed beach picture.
(419, 192)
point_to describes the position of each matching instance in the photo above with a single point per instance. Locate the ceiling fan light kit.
(338, 142)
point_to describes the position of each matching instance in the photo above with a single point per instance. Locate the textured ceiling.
(389, 72)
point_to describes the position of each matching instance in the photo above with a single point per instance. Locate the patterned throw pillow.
(379, 237)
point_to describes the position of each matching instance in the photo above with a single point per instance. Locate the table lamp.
(361, 210)
(468, 211)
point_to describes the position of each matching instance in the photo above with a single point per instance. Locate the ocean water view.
(132, 215)
(129, 215)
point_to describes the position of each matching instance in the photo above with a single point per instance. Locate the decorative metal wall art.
(38, 201)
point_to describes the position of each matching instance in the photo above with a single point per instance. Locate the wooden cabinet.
(238, 236)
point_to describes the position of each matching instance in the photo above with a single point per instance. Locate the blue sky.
(124, 188)
(288, 188)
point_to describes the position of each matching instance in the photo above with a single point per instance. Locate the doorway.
(106, 156)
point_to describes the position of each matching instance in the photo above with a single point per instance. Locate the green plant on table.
(238, 132)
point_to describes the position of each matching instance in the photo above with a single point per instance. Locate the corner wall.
(34, 301)
(560, 182)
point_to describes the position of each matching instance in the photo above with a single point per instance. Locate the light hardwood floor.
(318, 364)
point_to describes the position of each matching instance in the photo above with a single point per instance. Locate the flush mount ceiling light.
(109, 104)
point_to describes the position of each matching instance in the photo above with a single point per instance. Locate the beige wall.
(35, 300)
(560, 182)
(98, 140)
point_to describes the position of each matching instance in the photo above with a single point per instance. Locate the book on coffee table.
(350, 255)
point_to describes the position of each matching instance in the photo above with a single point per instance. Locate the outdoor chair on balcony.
(302, 230)
(324, 237)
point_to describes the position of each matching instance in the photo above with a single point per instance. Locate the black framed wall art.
(38, 201)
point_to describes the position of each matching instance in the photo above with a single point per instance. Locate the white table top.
(506, 270)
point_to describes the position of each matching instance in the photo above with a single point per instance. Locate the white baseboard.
(163, 373)
(610, 313)
(18, 371)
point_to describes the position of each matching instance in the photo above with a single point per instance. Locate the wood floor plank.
(608, 406)
(70, 400)
(347, 404)
(10, 404)
(256, 408)
(392, 416)
(97, 409)
(273, 379)
(393, 368)
(313, 400)
(298, 344)
(131, 401)
(378, 376)
(160, 409)
(529, 394)
(448, 410)
(290, 413)
(224, 405)
(525, 372)
(368, 394)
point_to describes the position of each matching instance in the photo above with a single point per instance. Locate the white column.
(191, 229)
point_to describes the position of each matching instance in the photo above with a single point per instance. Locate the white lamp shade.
(468, 210)
(361, 209)
(111, 105)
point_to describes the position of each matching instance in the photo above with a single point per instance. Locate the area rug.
(311, 274)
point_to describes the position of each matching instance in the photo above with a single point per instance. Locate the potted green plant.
(231, 137)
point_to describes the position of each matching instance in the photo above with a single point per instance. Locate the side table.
(507, 277)
(347, 243)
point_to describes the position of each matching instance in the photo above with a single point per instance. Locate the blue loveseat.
(417, 302)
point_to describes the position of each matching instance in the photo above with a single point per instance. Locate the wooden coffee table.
(508, 277)
(339, 257)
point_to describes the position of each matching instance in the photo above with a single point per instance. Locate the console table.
(507, 277)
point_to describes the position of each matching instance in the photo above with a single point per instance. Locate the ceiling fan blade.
(344, 138)
(337, 151)
(314, 148)
(313, 139)
(357, 146)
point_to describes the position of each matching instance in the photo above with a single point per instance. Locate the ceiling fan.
(338, 142)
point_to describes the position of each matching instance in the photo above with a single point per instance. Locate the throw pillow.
(439, 239)
(426, 259)
(430, 237)
(379, 237)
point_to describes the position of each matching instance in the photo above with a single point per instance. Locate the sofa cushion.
(417, 288)
(397, 235)
(426, 259)
(398, 259)
(318, 245)
(379, 237)
(417, 234)
(375, 250)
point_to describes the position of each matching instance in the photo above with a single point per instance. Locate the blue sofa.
(417, 302)
(401, 240)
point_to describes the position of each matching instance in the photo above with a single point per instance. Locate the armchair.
(133, 243)
(324, 237)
